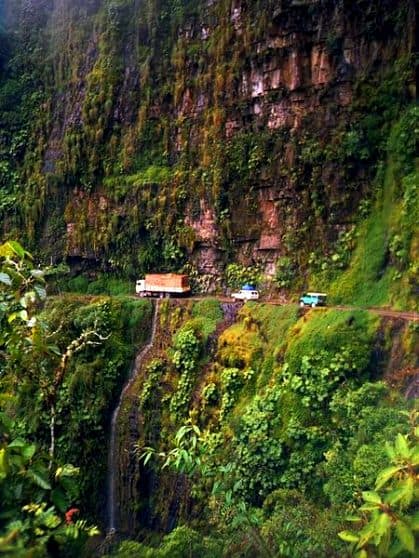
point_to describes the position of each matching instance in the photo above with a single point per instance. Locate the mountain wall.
(146, 134)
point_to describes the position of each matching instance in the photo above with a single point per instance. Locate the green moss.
(240, 346)
(103, 285)
(202, 326)
(150, 175)
(205, 315)
(367, 281)
(274, 321)
(386, 249)
(330, 330)
(209, 308)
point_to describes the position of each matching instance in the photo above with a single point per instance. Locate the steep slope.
(291, 412)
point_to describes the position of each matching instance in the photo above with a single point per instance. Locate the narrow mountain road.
(409, 316)
(387, 312)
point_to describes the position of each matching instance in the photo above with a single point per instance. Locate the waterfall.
(113, 460)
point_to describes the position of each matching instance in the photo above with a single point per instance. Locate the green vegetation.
(101, 285)
(36, 488)
(62, 364)
(284, 434)
(390, 519)
(181, 542)
(263, 142)
(184, 358)
(286, 272)
(280, 426)
(388, 234)
(170, 135)
(238, 275)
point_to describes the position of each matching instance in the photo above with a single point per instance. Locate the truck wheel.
(161, 295)
(302, 304)
(313, 305)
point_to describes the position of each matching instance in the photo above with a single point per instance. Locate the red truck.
(163, 285)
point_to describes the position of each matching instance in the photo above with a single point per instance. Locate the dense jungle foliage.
(264, 432)
(264, 142)
(62, 365)
(288, 434)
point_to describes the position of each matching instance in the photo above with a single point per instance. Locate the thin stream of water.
(113, 457)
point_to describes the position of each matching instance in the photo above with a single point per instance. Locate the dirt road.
(387, 312)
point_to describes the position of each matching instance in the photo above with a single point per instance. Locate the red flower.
(69, 515)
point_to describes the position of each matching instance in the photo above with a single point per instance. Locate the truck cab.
(313, 299)
(247, 292)
(140, 286)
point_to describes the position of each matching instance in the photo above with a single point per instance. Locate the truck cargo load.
(163, 284)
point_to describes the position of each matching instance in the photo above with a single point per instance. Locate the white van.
(245, 294)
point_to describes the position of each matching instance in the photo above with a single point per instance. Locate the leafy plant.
(286, 272)
(388, 517)
(232, 380)
(184, 456)
(185, 356)
(237, 275)
(319, 375)
(34, 490)
(155, 370)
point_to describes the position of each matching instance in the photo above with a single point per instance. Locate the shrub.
(184, 541)
(286, 271)
(297, 528)
(237, 275)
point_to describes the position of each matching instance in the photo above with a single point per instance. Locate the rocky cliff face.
(201, 131)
